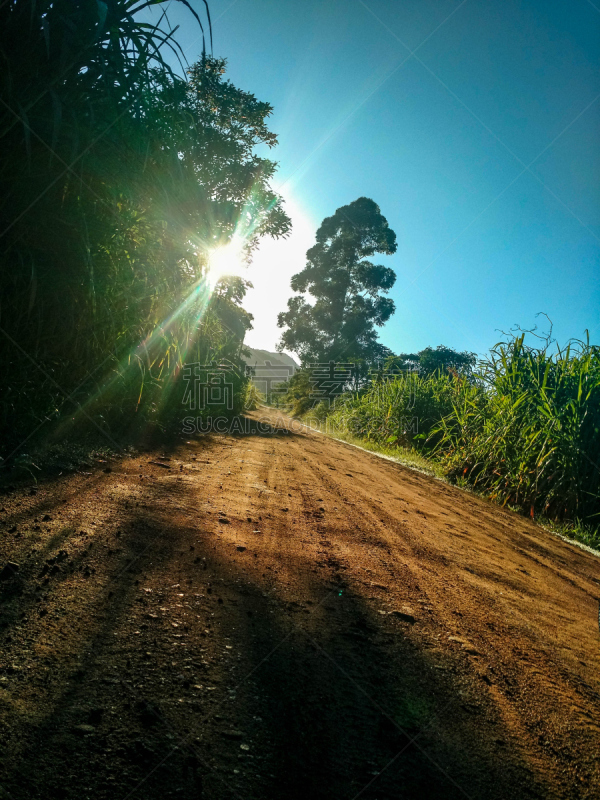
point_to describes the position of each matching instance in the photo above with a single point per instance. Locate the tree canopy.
(441, 359)
(338, 321)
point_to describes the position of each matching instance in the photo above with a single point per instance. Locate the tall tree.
(346, 288)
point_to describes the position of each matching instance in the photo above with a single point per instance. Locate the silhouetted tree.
(346, 288)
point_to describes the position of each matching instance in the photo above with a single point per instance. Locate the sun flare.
(226, 261)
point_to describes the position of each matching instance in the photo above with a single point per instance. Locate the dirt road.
(275, 615)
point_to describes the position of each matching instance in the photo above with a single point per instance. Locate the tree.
(442, 359)
(346, 288)
(228, 123)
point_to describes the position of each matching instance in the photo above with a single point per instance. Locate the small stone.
(404, 615)
(240, 548)
(232, 734)
(83, 729)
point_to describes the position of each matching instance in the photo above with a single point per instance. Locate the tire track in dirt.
(281, 615)
(551, 690)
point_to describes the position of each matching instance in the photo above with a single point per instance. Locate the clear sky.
(475, 127)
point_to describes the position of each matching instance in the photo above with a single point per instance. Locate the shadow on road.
(178, 666)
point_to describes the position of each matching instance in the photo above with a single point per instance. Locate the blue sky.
(474, 126)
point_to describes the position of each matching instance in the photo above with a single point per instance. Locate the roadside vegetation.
(521, 427)
(118, 179)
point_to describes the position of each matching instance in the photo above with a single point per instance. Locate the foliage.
(297, 393)
(116, 180)
(531, 437)
(444, 360)
(401, 410)
(228, 124)
(441, 360)
(524, 430)
(385, 393)
(253, 398)
(346, 288)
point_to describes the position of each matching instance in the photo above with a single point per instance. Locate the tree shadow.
(193, 673)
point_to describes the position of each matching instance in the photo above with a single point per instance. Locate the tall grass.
(524, 430)
(398, 410)
(529, 436)
(253, 398)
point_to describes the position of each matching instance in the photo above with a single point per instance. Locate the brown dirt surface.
(279, 615)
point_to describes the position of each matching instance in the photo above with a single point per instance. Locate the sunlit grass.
(401, 455)
(575, 531)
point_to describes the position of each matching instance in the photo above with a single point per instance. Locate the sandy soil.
(284, 616)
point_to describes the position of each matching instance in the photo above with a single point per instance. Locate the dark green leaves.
(339, 323)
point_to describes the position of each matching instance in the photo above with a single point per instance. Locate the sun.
(224, 262)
